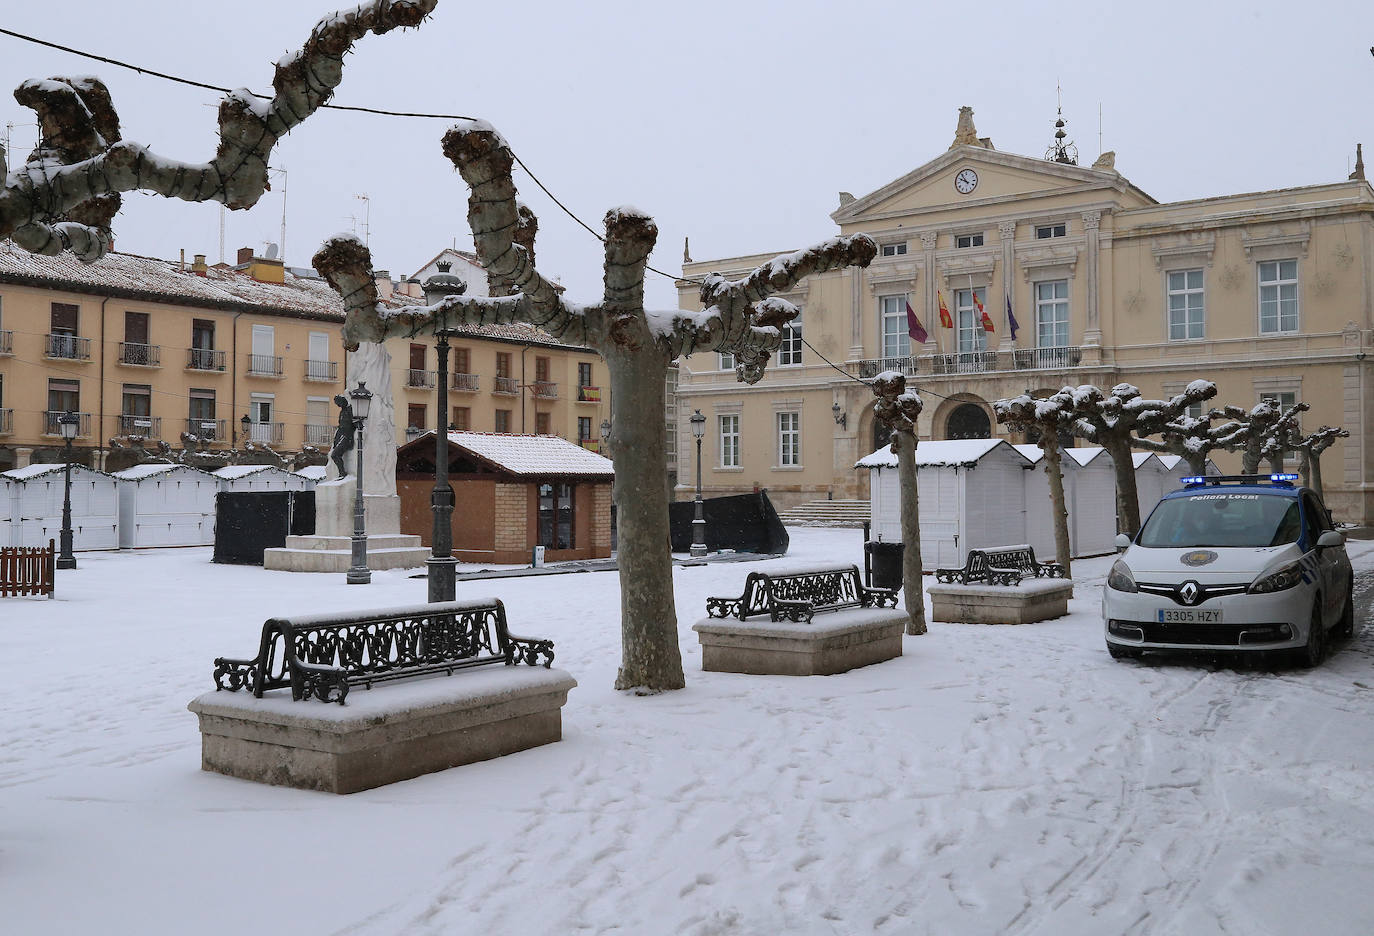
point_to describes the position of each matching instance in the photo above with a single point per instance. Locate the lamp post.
(67, 423)
(441, 568)
(606, 437)
(698, 422)
(358, 573)
(246, 424)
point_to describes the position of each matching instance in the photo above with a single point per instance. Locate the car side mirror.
(1330, 538)
(1123, 541)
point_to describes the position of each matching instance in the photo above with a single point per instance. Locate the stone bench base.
(1032, 600)
(394, 732)
(834, 641)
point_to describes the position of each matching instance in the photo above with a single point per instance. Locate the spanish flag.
(987, 322)
(945, 319)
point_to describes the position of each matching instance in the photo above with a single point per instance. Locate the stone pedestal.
(834, 641)
(1032, 600)
(331, 548)
(393, 732)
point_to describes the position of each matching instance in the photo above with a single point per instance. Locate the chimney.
(198, 265)
(260, 268)
(414, 289)
(383, 280)
(245, 256)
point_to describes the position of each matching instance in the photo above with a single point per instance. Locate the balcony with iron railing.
(591, 445)
(413, 432)
(264, 365)
(545, 389)
(68, 347)
(210, 430)
(954, 363)
(6, 342)
(204, 359)
(6, 421)
(589, 394)
(420, 379)
(1047, 358)
(267, 433)
(322, 371)
(466, 383)
(52, 428)
(146, 427)
(140, 355)
(317, 434)
(507, 386)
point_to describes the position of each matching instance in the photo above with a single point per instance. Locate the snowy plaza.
(993, 779)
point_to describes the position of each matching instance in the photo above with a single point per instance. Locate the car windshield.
(1220, 518)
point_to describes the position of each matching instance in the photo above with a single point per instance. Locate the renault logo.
(1188, 593)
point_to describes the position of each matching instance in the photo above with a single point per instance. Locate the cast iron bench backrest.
(978, 568)
(323, 655)
(1022, 558)
(798, 594)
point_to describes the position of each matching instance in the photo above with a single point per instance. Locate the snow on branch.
(66, 195)
(896, 406)
(1047, 416)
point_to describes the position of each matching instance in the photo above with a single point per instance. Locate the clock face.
(966, 181)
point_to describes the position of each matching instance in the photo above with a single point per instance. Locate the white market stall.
(31, 497)
(315, 473)
(240, 479)
(1092, 506)
(1178, 470)
(166, 505)
(972, 496)
(1152, 479)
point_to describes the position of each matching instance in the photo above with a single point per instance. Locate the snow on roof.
(949, 453)
(1170, 460)
(29, 472)
(242, 471)
(533, 454)
(139, 472)
(1032, 452)
(1085, 456)
(313, 472)
(1140, 458)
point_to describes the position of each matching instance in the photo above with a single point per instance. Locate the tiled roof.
(531, 455)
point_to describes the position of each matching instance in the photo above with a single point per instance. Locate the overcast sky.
(735, 123)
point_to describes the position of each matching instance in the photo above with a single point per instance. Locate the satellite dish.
(272, 250)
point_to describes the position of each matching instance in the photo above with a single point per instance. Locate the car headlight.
(1120, 578)
(1278, 580)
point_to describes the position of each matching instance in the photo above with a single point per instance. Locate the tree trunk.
(1250, 461)
(913, 583)
(1314, 465)
(1054, 471)
(650, 656)
(1197, 463)
(1276, 464)
(1127, 500)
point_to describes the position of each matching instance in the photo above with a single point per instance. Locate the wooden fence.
(27, 570)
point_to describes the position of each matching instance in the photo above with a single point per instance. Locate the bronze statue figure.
(343, 436)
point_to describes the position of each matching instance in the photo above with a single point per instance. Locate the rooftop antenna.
(1099, 128)
(1061, 151)
(367, 218)
(282, 172)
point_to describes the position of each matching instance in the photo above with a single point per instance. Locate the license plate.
(1188, 616)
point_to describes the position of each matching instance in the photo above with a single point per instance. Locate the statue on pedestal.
(343, 436)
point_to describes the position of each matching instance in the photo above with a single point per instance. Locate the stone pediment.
(1002, 177)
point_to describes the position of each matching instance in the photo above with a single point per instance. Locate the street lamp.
(605, 437)
(698, 422)
(67, 424)
(245, 423)
(358, 573)
(441, 568)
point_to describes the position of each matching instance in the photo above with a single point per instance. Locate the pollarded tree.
(897, 408)
(1047, 417)
(1310, 449)
(1193, 438)
(1113, 420)
(65, 196)
(742, 317)
(1256, 431)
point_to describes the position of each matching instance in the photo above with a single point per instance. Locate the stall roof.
(38, 470)
(950, 453)
(1085, 456)
(526, 455)
(312, 472)
(242, 471)
(139, 472)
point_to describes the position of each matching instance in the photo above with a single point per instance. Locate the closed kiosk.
(32, 499)
(1152, 480)
(1092, 506)
(166, 505)
(972, 496)
(260, 479)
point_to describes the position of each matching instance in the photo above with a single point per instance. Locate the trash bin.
(887, 563)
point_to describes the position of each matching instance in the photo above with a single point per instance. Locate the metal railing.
(962, 362)
(204, 359)
(264, 365)
(51, 427)
(322, 370)
(506, 385)
(141, 355)
(906, 366)
(68, 347)
(6, 342)
(470, 383)
(267, 433)
(1047, 358)
(211, 430)
(316, 434)
(420, 379)
(589, 394)
(147, 427)
(6, 421)
(545, 389)
(413, 432)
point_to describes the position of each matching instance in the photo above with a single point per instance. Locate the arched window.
(968, 421)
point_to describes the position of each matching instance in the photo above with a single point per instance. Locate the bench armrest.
(881, 597)
(528, 649)
(725, 607)
(326, 683)
(799, 612)
(233, 675)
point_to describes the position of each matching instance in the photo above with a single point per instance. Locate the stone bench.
(1032, 600)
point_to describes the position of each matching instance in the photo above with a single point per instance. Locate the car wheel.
(1119, 652)
(1315, 651)
(1345, 629)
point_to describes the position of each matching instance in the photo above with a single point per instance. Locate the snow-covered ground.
(992, 780)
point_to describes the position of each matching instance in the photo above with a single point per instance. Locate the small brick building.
(511, 493)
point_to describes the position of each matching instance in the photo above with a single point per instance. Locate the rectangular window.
(789, 439)
(202, 335)
(896, 342)
(541, 369)
(789, 352)
(584, 373)
(1185, 304)
(64, 395)
(969, 322)
(1046, 231)
(968, 240)
(417, 357)
(894, 250)
(729, 441)
(1278, 297)
(556, 516)
(1052, 314)
(727, 360)
(136, 328)
(462, 361)
(584, 428)
(202, 407)
(542, 424)
(462, 418)
(415, 416)
(64, 318)
(264, 340)
(137, 400)
(502, 363)
(502, 422)
(317, 362)
(260, 411)
(1194, 410)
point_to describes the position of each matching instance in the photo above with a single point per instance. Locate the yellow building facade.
(1269, 294)
(152, 349)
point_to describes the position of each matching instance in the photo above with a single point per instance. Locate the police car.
(1235, 563)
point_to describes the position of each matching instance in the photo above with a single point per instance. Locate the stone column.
(856, 318)
(1092, 333)
(932, 301)
(1007, 231)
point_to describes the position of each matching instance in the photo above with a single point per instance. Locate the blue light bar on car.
(1194, 479)
(1281, 478)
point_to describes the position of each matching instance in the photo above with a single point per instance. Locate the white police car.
(1237, 563)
